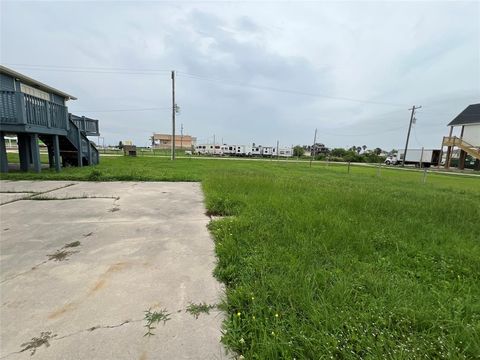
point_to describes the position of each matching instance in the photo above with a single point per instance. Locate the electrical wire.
(365, 134)
(106, 70)
(122, 110)
(94, 70)
(289, 91)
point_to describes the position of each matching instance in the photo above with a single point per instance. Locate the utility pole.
(181, 137)
(311, 150)
(174, 109)
(408, 134)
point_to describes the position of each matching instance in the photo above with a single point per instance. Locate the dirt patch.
(102, 279)
(99, 285)
(65, 308)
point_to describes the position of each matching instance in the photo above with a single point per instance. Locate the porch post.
(449, 151)
(3, 154)
(37, 166)
(461, 160)
(23, 151)
(79, 152)
(89, 152)
(50, 156)
(56, 152)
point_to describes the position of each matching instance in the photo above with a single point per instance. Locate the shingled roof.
(471, 115)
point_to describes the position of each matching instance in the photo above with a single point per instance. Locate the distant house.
(33, 112)
(164, 141)
(468, 139)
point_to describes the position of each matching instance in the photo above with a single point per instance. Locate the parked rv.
(242, 150)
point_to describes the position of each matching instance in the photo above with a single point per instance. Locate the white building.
(468, 139)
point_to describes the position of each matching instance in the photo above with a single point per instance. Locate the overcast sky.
(255, 71)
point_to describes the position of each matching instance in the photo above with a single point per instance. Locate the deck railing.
(17, 108)
(85, 124)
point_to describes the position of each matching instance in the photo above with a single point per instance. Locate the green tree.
(298, 151)
(120, 145)
(338, 152)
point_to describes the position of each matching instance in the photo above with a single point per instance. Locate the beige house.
(164, 141)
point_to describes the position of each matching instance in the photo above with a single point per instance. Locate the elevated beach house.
(37, 112)
(467, 141)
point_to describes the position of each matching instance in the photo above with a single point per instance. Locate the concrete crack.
(24, 272)
(97, 327)
(56, 338)
(33, 194)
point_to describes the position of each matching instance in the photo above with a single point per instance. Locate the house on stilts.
(468, 139)
(37, 112)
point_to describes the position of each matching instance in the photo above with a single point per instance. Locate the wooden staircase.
(471, 150)
(76, 139)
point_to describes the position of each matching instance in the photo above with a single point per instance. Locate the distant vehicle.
(415, 157)
(188, 152)
(242, 150)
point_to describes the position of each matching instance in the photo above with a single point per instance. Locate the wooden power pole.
(312, 149)
(174, 109)
(408, 134)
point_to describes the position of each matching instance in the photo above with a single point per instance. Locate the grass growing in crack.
(36, 342)
(72, 244)
(201, 308)
(154, 317)
(60, 255)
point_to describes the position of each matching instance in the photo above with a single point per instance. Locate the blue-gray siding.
(6, 82)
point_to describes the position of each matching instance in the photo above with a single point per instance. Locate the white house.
(468, 139)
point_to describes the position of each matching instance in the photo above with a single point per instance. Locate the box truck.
(417, 157)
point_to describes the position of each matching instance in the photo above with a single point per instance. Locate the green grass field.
(320, 263)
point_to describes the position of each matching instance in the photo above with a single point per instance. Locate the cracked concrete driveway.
(82, 262)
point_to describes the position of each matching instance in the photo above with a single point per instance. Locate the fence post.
(424, 175)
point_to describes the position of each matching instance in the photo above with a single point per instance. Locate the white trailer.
(242, 150)
(207, 149)
(283, 152)
(417, 157)
(267, 151)
(256, 150)
(230, 149)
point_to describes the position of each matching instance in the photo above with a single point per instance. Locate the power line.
(365, 134)
(95, 70)
(289, 91)
(114, 70)
(121, 110)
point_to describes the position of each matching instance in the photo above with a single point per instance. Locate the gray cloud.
(396, 52)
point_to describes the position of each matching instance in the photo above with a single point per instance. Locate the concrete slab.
(32, 186)
(153, 252)
(6, 197)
